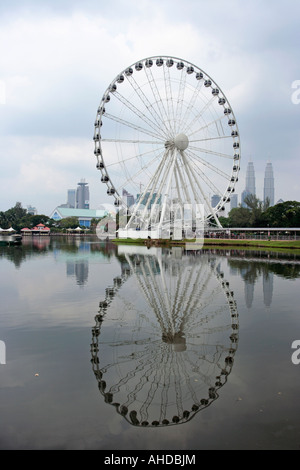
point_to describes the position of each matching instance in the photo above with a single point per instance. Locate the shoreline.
(218, 242)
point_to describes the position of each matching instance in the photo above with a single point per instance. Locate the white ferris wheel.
(166, 137)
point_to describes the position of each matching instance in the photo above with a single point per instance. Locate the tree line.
(18, 218)
(255, 214)
(259, 214)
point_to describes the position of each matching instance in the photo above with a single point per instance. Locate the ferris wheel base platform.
(143, 234)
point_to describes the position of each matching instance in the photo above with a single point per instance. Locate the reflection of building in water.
(249, 293)
(79, 269)
(251, 272)
(268, 278)
(249, 281)
(165, 336)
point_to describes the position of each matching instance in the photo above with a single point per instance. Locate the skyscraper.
(71, 198)
(250, 182)
(269, 184)
(233, 201)
(215, 199)
(82, 195)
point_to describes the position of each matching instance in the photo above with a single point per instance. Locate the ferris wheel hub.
(181, 142)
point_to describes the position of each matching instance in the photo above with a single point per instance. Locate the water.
(106, 347)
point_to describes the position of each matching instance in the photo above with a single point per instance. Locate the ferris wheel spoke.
(199, 186)
(208, 139)
(159, 103)
(133, 126)
(127, 159)
(147, 105)
(196, 118)
(180, 189)
(211, 152)
(191, 179)
(141, 170)
(215, 170)
(169, 98)
(154, 125)
(150, 290)
(212, 167)
(163, 181)
(137, 206)
(185, 123)
(206, 179)
(184, 184)
(217, 123)
(179, 297)
(154, 183)
(180, 97)
(192, 303)
(131, 141)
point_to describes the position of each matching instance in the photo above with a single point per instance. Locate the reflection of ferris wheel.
(164, 357)
(166, 134)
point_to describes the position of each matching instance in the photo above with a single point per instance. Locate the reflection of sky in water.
(47, 320)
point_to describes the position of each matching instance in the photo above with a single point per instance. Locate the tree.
(284, 214)
(257, 208)
(239, 217)
(13, 216)
(68, 222)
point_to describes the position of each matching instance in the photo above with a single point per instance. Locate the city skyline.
(50, 80)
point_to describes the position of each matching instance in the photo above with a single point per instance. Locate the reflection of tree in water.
(252, 270)
(165, 336)
(32, 247)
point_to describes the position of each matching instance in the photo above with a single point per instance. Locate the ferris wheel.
(166, 136)
(164, 355)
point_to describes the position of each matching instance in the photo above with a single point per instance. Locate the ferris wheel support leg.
(164, 205)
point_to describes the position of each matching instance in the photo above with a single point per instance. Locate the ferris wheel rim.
(236, 155)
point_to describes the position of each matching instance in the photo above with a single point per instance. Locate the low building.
(39, 229)
(84, 215)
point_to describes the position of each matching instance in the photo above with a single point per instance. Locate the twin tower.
(268, 184)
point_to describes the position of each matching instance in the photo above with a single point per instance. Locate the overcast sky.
(59, 56)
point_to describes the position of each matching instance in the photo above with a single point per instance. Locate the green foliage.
(18, 218)
(68, 222)
(258, 214)
(239, 217)
(285, 214)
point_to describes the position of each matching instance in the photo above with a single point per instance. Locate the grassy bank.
(218, 242)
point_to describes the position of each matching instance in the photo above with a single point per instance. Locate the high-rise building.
(215, 199)
(233, 201)
(71, 202)
(82, 195)
(269, 184)
(250, 183)
(31, 210)
(127, 198)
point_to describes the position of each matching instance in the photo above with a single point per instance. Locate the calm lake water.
(115, 347)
